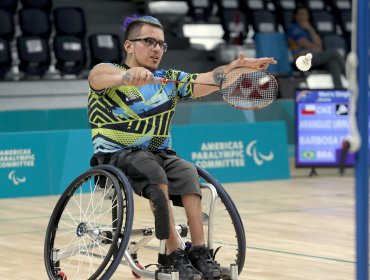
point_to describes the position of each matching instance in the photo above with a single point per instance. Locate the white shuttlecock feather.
(303, 62)
(264, 80)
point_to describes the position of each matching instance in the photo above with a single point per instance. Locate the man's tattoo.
(218, 75)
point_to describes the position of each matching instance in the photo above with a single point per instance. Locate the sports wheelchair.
(91, 230)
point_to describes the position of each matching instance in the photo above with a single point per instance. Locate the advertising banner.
(23, 165)
(42, 163)
(45, 162)
(236, 152)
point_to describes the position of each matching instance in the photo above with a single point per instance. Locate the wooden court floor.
(297, 229)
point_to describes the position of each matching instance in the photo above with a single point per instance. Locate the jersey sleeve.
(98, 92)
(183, 90)
(103, 91)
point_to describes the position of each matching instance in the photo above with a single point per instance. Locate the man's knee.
(188, 171)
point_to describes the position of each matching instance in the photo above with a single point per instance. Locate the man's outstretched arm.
(215, 76)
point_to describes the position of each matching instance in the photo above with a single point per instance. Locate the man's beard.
(148, 65)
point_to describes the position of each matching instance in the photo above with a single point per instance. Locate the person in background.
(236, 34)
(303, 39)
(131, 115)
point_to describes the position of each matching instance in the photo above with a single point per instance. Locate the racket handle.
(156, 80)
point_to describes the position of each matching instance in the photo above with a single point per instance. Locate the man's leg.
(183, 178)
(176, 256)
(193, 209)
(199, 254)
(172, 243)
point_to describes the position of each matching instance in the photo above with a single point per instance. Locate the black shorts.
(144, 168)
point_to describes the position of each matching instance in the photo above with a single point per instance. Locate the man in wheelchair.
(130, 115)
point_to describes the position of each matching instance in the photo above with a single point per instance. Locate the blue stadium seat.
(275, 45)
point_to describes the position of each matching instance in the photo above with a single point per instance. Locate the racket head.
(249, 89)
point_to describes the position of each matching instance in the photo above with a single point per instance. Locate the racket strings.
(249, 89)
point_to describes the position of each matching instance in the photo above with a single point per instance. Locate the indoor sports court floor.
(298, 229)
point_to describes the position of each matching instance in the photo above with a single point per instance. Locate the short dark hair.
(133, 23)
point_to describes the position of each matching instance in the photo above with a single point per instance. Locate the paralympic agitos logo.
(258, 157)
(16, 180)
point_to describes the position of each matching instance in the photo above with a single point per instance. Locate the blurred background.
(47, 48)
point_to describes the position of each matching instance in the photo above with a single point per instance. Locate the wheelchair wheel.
(231, 249)
(90, 226)
(226, 238)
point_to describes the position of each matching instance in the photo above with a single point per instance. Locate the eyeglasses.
(151, 42)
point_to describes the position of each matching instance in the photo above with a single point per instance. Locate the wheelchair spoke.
(89, 221)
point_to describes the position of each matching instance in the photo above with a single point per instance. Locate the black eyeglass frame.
(163, 45)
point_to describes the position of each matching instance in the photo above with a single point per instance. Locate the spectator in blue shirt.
(303, 39)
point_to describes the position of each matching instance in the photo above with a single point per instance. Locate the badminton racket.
(242, 88)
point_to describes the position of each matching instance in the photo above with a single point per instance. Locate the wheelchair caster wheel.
(61, 276)
(134, 273)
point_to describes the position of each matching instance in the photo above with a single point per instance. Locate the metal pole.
(362, 162)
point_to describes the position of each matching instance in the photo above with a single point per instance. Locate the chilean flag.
(309, 109)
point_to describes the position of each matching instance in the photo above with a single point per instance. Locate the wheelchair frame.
(74, 235)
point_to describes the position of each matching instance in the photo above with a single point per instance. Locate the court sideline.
(298, 229)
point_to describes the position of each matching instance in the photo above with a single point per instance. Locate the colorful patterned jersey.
(128, 116)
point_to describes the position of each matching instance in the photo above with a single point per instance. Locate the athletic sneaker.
(180, 262)
(200, 258)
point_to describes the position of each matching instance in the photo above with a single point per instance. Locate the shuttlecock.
(264, 80)
(303, 62)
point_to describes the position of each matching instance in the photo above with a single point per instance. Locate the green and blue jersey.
(128, 116)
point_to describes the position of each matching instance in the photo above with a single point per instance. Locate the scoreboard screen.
(322, 122)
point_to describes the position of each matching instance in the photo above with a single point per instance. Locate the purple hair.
(142, 19)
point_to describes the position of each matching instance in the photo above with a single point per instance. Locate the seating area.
(57, 39)
(46, 39)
